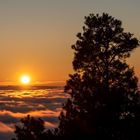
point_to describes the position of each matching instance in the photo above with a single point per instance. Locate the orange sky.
(36, 35)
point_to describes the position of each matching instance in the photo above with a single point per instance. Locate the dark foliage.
(104, 98)
(30, 129)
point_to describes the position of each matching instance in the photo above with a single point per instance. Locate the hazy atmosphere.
(36, 35)
(36, 59)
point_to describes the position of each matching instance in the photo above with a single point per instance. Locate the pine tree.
(104, 97)
(30, 128)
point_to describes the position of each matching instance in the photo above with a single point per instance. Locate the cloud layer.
(41, 103)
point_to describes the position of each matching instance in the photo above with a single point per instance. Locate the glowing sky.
(36, 35)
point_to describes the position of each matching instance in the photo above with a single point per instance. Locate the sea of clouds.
(40, 103)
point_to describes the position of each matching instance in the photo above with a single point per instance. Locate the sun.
(25, 79)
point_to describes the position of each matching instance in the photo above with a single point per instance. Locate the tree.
(104, 97)
(30, 129)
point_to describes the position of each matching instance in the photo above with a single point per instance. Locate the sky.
(36, 35)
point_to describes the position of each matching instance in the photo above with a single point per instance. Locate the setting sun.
(25, 79)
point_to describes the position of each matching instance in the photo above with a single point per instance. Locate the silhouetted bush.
(30, 129)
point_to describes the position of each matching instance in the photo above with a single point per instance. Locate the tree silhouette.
(30, 129)
(104, 97)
